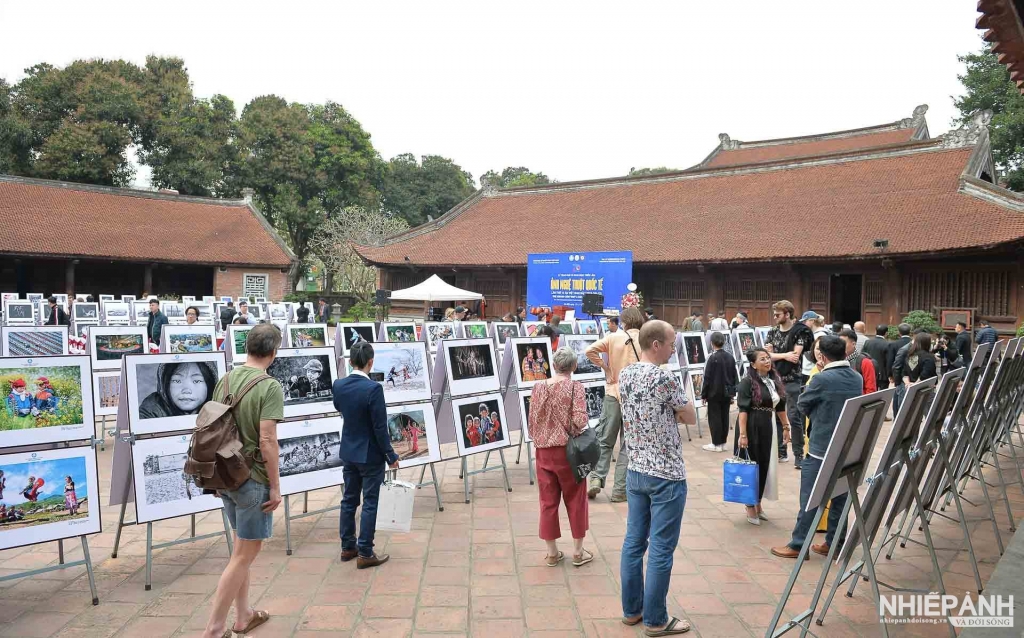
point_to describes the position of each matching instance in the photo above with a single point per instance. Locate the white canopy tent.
(434, 289)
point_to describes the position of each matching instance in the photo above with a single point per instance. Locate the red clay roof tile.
(71, 220)
(824, 209)
(810, 148)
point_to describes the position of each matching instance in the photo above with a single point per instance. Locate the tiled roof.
(756, 152)
(72, 220)
(828, 207)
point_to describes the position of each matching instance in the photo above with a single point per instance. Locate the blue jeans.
(244, 509)
(365, 479)
(655, 513)
(808, 474)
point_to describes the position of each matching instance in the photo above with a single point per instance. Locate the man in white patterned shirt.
(653, 405)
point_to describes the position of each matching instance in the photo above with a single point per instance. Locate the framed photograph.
(306, 376)
(227, 299)
(306, 335)
(35, 297)
(413, 433)
(166, 391)
(400, 332)
(470, 366)
(48, 399)
(48, 495)
(8, 296)
(438, 330)
(187, 300)
(480, 423)
(205, 312)
(402, 370)
(278, 312)
(128, 298)
(533, 360)
(39, 341)
(695, 349)
(566, 328)
(175, 312)
(761, 332)
(162, 490)
(106, 391)
(503, 331)
(525, 396)
(19, 313)
(178, 339)
(261, 300)
(106, 298)
(595, 401)
(62, 300)
(108, 345)
(586, 326)
(235, 346)
(86, 311)
(353, 333)
(530, 327)
(140, 310)
(309, 456)
(474, 329)
(586, 370)
(696, 383)
(744, 340)
(81, 328)
(117, 313)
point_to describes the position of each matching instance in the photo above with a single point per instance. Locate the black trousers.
(718, 420)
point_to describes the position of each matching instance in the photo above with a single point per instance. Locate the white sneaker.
(784, 459)
(710, 447)
(720, 448)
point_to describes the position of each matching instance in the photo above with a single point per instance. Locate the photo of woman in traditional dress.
(70, 498)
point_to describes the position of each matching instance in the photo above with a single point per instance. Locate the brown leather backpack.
(215, 460)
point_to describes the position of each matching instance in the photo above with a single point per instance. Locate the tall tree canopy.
(514, 176)
(414, 190)
(987, 85)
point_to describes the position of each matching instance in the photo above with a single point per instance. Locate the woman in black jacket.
(717, 392)
(761, 395)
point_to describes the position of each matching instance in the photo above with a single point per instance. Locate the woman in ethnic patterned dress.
(70, 498)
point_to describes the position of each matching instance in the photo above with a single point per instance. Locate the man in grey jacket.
(822, 401)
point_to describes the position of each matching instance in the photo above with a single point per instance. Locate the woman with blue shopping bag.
(760, 396)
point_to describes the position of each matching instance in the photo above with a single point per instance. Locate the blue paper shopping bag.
(739, 481)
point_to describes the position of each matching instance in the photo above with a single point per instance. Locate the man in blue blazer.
(365, 450)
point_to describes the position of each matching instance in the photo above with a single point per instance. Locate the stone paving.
(473, 569)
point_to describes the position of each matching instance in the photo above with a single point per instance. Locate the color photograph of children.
(480, 424)
(408, 431)
(401, 333)
(42, 492)
(307, 337)
(41, 397)
(475, 331)
(533, 363)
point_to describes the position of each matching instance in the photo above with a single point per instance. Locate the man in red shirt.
(859, 361)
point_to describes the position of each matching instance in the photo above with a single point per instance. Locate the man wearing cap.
(460, 316)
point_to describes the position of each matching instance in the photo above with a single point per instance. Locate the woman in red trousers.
(558, 410)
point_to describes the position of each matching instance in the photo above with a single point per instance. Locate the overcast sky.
(577, 90)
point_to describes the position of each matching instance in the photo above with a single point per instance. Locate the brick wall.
(229, 281)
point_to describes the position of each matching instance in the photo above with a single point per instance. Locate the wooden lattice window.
(988, 291)
(762, 291)
(872, 292)
(732, 290)
(778, 290)
(746, 290)
(494, 289)
(819, 293)
(697, 290)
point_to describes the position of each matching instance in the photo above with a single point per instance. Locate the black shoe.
(364, 562)
(797, 464)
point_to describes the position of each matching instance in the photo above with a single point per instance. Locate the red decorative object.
(633, 300)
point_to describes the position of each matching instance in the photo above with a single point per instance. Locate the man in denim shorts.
(250, 507)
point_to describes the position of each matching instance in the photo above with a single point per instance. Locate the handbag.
(394, 506)
(740, 480)
(582, 451)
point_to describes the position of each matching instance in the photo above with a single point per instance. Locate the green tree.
(333, 246)
(514, 176)
(639, 172)
(987, 85)
(15, 135)
(305, 163)
(921, 319)
(415, 191)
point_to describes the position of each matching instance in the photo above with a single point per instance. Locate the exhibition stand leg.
(432, 481)
(86, 561)
(467, 473)
(288, 518)
(191, 539)
(529, 455)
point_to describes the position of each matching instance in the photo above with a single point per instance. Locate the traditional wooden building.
(62, 237)
(1004, 30)
(863, 224)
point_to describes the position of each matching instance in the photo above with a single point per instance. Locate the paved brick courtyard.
(473, 569)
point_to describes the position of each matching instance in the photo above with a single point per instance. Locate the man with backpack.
(257, 405)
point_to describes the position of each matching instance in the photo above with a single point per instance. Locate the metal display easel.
(121, 523)
(842, 469)
(288, 518)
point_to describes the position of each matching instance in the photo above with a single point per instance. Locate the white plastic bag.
(394, 508)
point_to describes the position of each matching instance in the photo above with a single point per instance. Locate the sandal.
(259, 617)
(674, 627)
(582, 558)
(631, 622)
(552, 561)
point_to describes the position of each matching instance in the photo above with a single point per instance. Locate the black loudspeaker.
(593, 304)
(382, 298)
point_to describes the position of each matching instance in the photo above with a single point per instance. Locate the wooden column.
(147, 280)
(69, 276)
(892, 294)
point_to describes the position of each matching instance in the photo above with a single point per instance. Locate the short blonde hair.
(564, 360)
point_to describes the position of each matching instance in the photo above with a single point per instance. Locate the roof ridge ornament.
(916, 119)
(970, 133)
(488, 185)
(727, 143)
